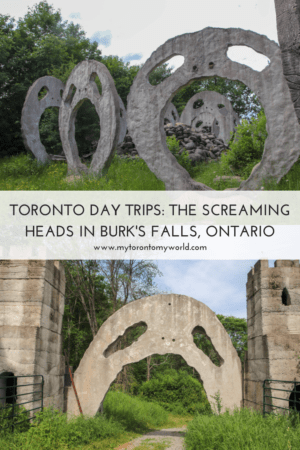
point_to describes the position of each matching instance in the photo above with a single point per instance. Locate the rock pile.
(127, 148)
(200, 145)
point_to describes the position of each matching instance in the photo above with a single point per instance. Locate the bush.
(50, 429)
(247, 148)
(20, 420)
(133, 413)
(183, 158)
(244, 429)
(177, 392)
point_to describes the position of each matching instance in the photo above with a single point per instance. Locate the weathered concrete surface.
(170, 321)
(288, 29)
(123, 121)
(32, 111)
(108, 109)
(171, 115)
(273, 330)
(31, 312)
(222, 121)
(147, 104)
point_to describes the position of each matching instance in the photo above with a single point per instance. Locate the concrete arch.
(170, 321)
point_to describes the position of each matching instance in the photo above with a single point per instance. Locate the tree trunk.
(288, 28)
(148, 367)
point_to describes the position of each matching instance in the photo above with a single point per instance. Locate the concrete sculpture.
(171, 321)
(205, 54)
(216, 113)
(171, 115)
(82, 81)
(32, 111)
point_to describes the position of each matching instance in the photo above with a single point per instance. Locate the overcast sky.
(133, 29)
(221, 285)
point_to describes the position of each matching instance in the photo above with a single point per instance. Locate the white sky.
(221, 285)
(138, 27)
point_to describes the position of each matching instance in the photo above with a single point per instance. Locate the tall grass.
(132, 412)
(244, 429)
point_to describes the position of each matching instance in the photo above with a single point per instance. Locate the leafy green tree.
(87, 306)
(31, 48)
(237, 330)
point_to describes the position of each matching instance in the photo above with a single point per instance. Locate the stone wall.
(31, 313)
(273, 314)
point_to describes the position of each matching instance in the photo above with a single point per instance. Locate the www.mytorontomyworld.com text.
(149, 247)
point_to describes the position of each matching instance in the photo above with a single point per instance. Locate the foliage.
(244, 429)
(19, 420)
(183, 157)
(176, 391)
(32, 48)
(237, 330)
(133, 413)
(247, 148)
(50, 429)
(87, 306)
(243, 101)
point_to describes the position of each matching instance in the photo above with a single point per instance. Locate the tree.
(34, 47)
(243, 100)
(87, 306)
(237, 330)
(288, 28)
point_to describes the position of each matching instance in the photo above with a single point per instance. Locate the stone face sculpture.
(32, 111)
(221, 120)
(171, 321)
(123, 121)
(82, 81)
(171, 115)
(205, 54)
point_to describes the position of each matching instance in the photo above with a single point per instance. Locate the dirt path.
(174, 437)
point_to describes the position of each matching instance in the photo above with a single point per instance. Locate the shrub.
(182, 158)
(244, 429)
(177, 392)
(133, 413)
(247, 149)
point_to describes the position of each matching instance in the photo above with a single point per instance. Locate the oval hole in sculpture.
(61, 93)
(166, 121)
(198, 124)
(203, 342)
(98, 86)
(158, 367)
(87, 129)
(163, 71)
(247, 56)
(131, 335)
(220, 106)
(49, 131)
(43, 92)
(198, 103)
(71, 94)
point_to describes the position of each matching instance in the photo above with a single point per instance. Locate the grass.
(125, 418)
(244, 429)
(22, 172)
